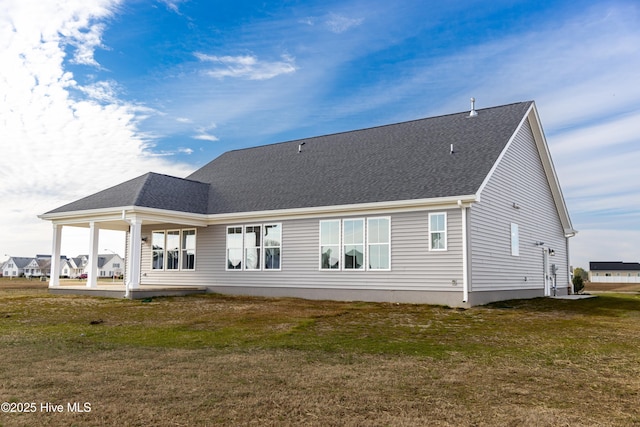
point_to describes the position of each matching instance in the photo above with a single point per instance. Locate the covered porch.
(129, 220)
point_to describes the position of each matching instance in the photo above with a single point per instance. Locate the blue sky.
(98, 92)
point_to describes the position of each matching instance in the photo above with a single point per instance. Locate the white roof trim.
(547, 164)
(121, 215)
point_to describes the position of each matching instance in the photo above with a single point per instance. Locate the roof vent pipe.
(300, 147)
(473, 112)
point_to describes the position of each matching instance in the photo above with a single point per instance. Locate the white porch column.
(54, 274)
(92, 274)
(135, 254)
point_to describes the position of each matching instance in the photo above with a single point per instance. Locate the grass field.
(220, 360)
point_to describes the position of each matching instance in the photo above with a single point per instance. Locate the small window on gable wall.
(515, 240)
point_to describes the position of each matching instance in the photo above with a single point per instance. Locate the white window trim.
(343, 244)
(244, 248)
(226, 251)
(165, 250)
(183, 249)
(368, 263)
(265, 247)
(515, 239)
(153, 251)
(339, 245)
(261, 248)
(446, 226)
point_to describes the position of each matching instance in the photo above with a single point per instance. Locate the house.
(15, 266)
(460, 209)
(614, 272)
(28, 267)
(109, 265)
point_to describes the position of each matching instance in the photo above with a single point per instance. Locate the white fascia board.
(151, 215)
(124, 213)
(550, 170)
(374, 208)
(547, 164)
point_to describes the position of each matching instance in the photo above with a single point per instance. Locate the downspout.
(465, 264)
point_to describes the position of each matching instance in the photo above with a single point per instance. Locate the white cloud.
(340, 23)
(57, 148)
(248, 66)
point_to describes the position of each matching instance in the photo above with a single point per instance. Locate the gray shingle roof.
(403, 161)
(151, 190)
(614, 266)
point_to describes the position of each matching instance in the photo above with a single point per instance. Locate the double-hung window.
(379, 243)
(234, 248)
(188, 249)
(272, 242)
(157, 245)
(330, 245)
(254, 247)
(438, 231)
(252, 239)
(353, 244)
(173, 249)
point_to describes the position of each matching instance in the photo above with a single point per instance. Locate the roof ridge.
(310, 138)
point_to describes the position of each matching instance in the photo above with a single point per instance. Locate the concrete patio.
(117, 290)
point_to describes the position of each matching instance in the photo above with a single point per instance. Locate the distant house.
(461, 209)
(38, 266)
(109, 265)
(14, 266)
(614, 272)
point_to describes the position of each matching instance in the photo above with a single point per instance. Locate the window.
(349, 245)
(254, 247)
(330, 245)
(188, 249)
(234, 248)
(252, 243)
(272, 244)
(157, 244)
(438, 231)
(173, 249)
(379, 240)
(515, 240)
(353, 244)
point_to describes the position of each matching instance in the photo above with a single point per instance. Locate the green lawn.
(212, 359)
